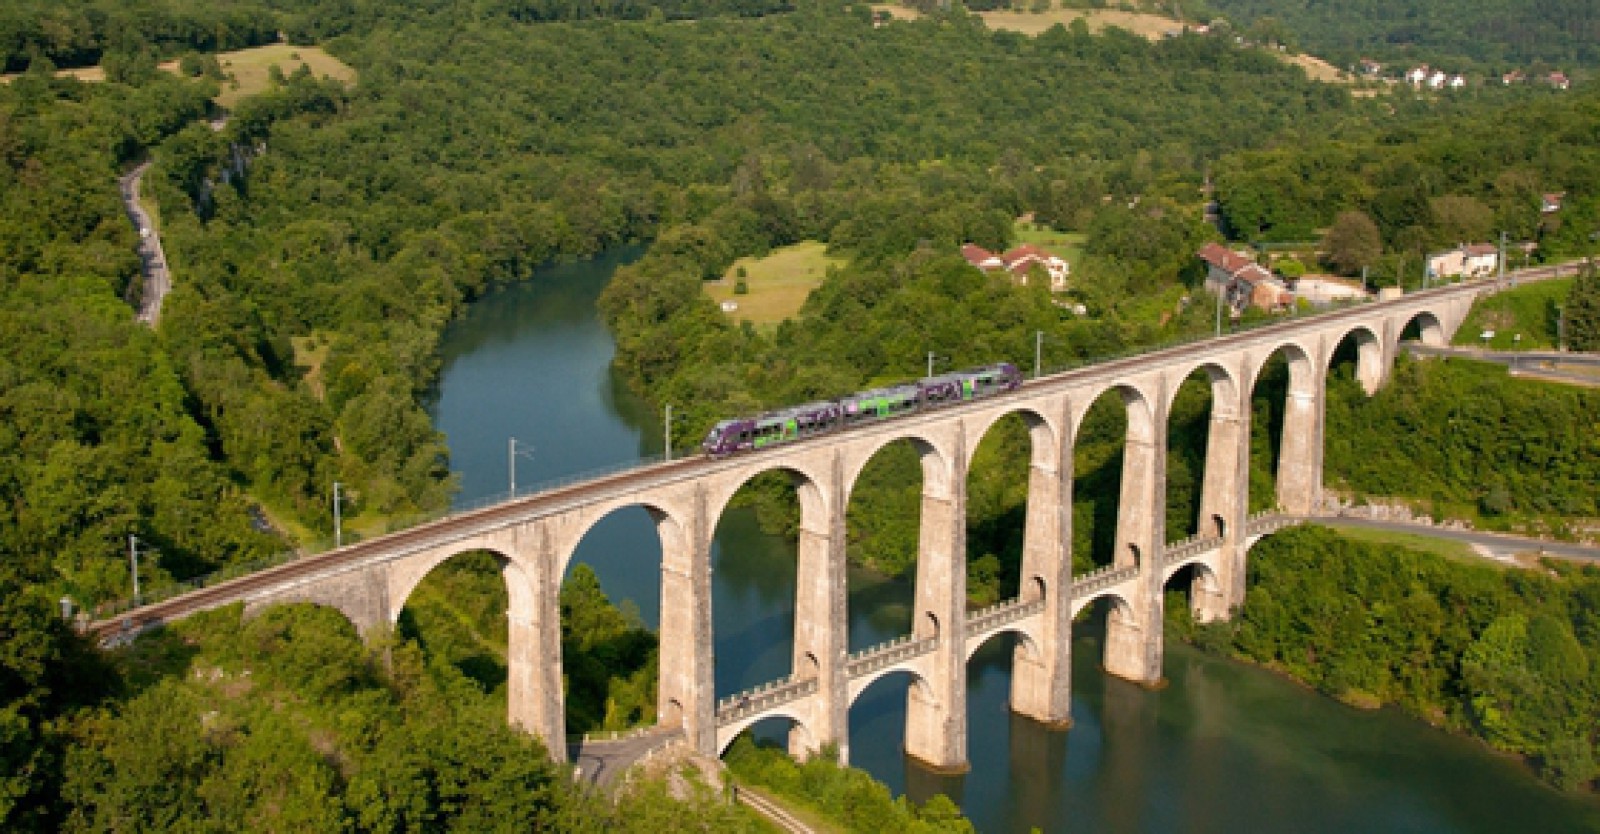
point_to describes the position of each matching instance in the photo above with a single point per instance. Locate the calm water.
(1225, 748)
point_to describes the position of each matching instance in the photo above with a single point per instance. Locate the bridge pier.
(534, 698)
(936, 711)
(686, 691)
(1300, 453)
(821, 628)
(1041, 682)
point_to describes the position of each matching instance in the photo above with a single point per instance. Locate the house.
(1327, 289)
(981, 258)
(1457, 81)
(1370, 67)
(1513, 77)
(1477, 260)
(1436, 80)
(1021, 260)
(1242, 282)
(1551, 203)
(1417, 75)
(1558, 80)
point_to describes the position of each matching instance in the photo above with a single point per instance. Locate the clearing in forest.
(249, 69)
(779, 283)
(1148, 26)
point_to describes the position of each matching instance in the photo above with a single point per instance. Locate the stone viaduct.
(534, 538)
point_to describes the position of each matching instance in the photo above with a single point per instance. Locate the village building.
(1020, 262)
(1558, 80)
(1550, 203)
(1476, 260)
(1242, 282)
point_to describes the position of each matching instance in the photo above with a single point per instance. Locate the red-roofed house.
(1021, 260)
(1241, 281)
(1551, 203)
(981, 257)
(1558, 80)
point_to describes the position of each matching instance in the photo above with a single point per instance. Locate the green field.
(779, 283)
(1529, 310)
(1069, 245)
(249, 69)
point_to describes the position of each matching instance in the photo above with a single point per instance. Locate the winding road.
(152, 258)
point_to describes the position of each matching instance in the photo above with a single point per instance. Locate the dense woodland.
(325, 235)
(1510, 656)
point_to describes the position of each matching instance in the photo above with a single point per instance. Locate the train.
(787, 425)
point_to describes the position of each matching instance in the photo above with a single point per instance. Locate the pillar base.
(1055, 725)
(941, 770)
(1155, 685)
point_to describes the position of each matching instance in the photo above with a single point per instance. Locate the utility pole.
(666, 423)
(930, 363)
(133, 564)
(338, 526)
(1502, 257)
(1038, 352)
(511, 461)
(1222, 290)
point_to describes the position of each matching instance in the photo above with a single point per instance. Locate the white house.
(1477, 260)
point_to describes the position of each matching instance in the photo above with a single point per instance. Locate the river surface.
(1224, 748)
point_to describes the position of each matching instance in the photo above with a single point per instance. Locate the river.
(1224, 748)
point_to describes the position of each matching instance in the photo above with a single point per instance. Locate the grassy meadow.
(779, 283)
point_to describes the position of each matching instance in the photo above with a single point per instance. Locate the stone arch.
(1042, 434)
(671, 526)
(408, 574)
(1027, 644)
(1116, 599)
(1294, 448)
(1207, 598)
(1372, 356)
(935, 464)
(1430, 329)
(809, 488)
(1140, 410)
(919, 683)
(800, 732)
(1118, 497)
(1021, 530)
(1202, 447)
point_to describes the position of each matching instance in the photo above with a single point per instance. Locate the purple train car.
(742, 435)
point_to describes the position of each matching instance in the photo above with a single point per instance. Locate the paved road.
(1569, 366)
(1494, 545)
(153, 259)
(601, 762)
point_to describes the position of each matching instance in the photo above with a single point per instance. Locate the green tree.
(1352, 242)
(1582, 310)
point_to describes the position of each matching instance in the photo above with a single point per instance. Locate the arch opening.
(1192, 597)
(1107, 627)
(1357, 359)
(1009, 492)
(884, 520)
(1281, 426)
(610, 607)
(1201, 427)
(771, 533)
(1112, 462)
(457, 616)
(780, 734)
(1423, 327)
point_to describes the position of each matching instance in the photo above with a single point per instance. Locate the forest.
(1511, 656)
(324, 235)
